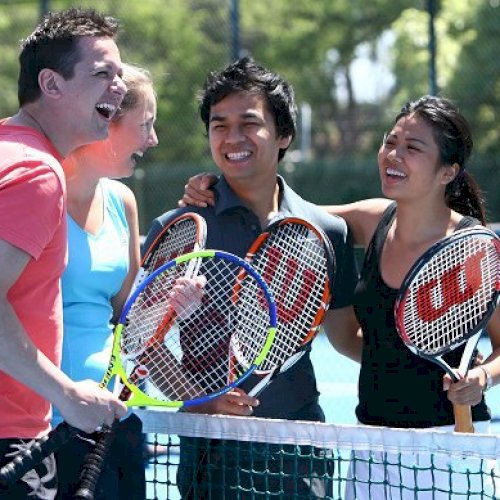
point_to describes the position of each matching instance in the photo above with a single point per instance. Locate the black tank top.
(396, 387)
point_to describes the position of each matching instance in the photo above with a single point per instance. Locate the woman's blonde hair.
(136, 79)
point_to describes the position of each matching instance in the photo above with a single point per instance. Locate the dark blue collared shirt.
(232, 227)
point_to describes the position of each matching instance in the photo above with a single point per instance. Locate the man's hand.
(197, 191)
(87, 406)
(234, 402)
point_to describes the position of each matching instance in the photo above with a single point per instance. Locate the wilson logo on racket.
(207, 353)
(288, 313)
(457, 285)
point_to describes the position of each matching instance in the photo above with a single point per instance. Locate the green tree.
(312, 43)
(16, 20)
(468, 72)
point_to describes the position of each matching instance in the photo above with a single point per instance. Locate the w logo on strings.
(288, 285)
(455, 287)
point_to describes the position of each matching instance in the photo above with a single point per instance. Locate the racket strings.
(246, 343)
(149, 312)
(293, 262)
(182, 237)
(451, 294)
(190, 356)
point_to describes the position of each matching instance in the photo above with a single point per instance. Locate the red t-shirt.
(33, 219)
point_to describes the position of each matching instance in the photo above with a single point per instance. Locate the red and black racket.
(186, 233)
(297, 261)
(446, 300)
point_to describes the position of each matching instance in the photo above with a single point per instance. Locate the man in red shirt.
(69, 88)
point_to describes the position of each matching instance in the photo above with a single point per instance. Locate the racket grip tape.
(463, 418)
(94, 462)
(34, 454)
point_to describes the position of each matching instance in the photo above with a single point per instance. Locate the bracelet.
(489, 378)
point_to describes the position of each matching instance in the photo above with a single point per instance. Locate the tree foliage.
(314, 44)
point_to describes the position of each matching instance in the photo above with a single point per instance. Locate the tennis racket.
(186, 233)
(446, 300)
(297, 261)
(165, 358)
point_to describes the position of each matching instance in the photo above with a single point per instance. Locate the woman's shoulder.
(362, 217)
(119, 191)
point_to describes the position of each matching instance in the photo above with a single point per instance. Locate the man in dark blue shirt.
(249, 113)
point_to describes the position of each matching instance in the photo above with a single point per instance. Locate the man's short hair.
(54, 45)
(245, 75)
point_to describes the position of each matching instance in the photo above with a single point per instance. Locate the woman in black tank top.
(422, 166)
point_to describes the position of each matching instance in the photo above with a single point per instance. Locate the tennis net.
(226, 457)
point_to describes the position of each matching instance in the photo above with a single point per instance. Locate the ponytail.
(464, 196)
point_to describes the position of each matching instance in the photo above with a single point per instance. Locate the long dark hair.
(454, 139)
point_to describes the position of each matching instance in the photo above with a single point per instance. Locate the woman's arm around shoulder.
(361, 216)
(131, 214)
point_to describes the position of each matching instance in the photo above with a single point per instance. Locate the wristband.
(489, 378)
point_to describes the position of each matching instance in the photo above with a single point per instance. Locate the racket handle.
(94, 462)
(463, 418)
(34, 454)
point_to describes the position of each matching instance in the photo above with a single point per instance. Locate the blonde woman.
(104, 254)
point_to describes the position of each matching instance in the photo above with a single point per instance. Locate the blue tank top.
(97, 267)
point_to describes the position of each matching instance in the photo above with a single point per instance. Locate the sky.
(371, 74)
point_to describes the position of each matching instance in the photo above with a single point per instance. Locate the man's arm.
(84, 404)
(343, 332)
(197, 191)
